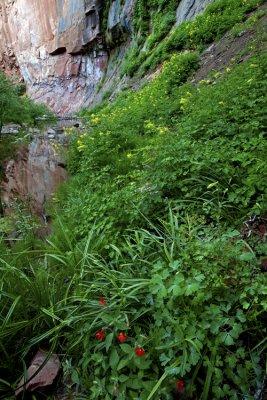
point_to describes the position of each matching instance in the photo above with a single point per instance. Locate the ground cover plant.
(153, 284)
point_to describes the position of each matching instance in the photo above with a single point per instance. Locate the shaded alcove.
(58, 51)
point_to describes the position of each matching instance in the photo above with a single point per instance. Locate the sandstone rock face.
(35, 173)
(8, 61)
(59, 47)
(48, 38)
(188, 9)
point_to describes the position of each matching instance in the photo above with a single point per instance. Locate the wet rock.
(10, 129)
(119, 25)
(51, 131)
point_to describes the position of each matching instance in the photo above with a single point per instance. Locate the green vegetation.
(189, 147)
(161, 15)
(219, 17)
(189, 289)
(16, 108)
(148, 283)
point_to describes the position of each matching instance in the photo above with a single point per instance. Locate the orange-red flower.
(180, 385)
(139, 351)
(122, 337)
(100, 335)
(102, 301)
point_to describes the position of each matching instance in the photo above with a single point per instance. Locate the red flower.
(180, 385)
(139, 351)
(122, 337)
(102, 301)
(100, 335)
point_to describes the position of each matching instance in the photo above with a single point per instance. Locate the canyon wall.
(58, 47)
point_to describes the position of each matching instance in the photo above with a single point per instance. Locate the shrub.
(15, 108)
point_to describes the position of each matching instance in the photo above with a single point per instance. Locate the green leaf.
(226, 338)
(191, 288)
(108, 341)
(247, 256)
(126, 348)
(123, 363)
(75, 377)
(123, 378)
(114, 358)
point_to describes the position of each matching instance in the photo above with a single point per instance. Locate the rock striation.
(58, 46)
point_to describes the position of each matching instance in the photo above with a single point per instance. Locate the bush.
(182, 302)
(113, 152)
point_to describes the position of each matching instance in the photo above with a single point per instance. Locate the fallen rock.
(41, 373)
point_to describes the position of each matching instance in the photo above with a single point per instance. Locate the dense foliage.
(149, 287)
(188, 146)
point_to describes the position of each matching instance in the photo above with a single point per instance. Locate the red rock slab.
(49, 370)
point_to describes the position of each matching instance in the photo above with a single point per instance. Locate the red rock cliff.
(58, 47)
